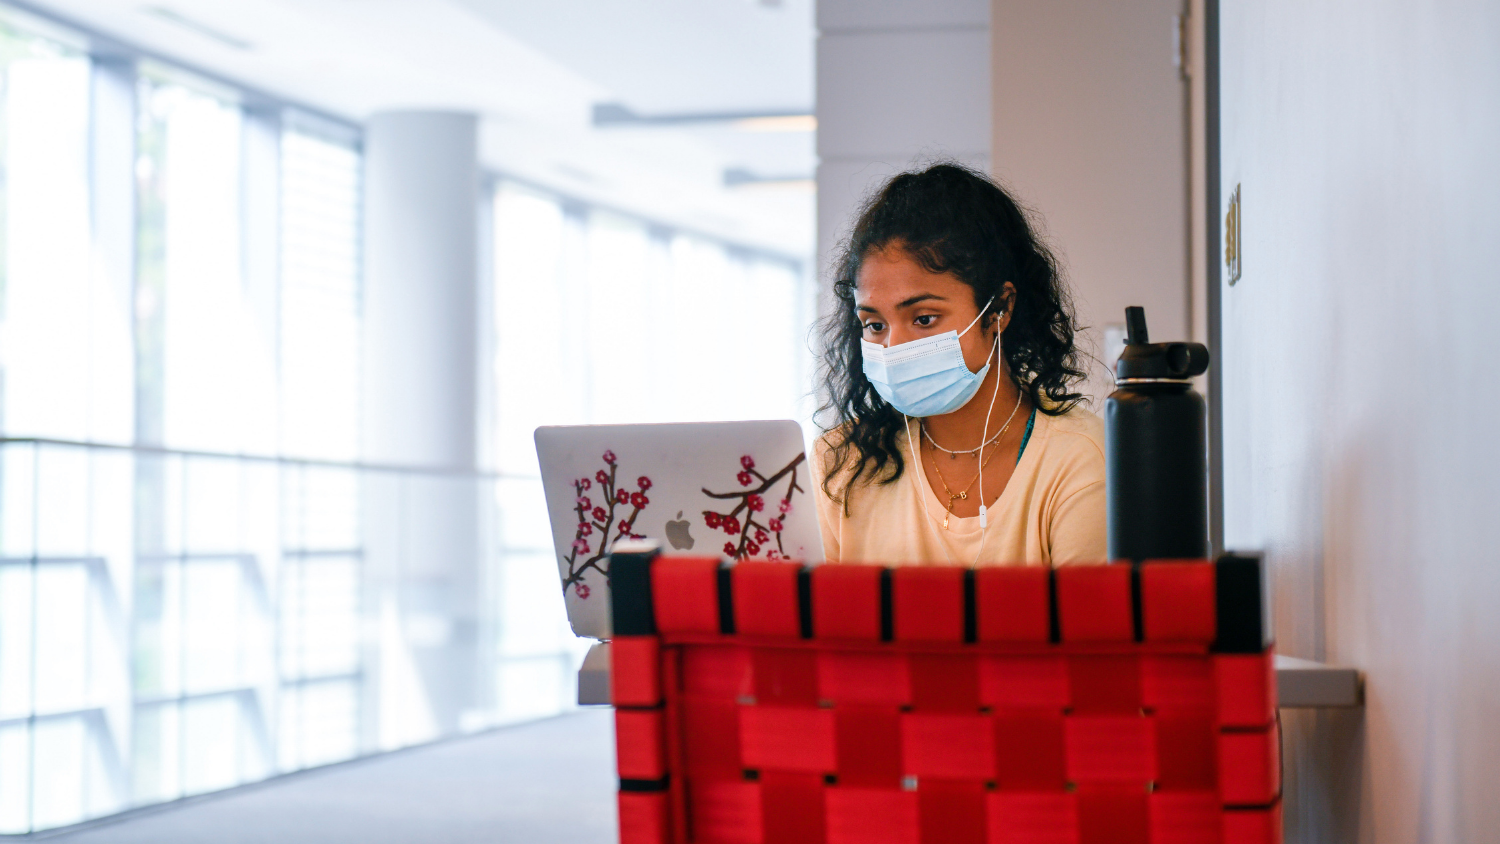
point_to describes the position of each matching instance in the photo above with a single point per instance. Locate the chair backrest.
(772, 702)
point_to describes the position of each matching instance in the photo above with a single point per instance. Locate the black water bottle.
(1156, 466)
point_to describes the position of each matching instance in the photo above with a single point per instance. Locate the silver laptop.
(741, 490)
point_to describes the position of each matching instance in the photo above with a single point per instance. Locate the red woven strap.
(948, 746)
(1245, 689)
(1253, 826)
(765, 599)
(1178, 601)
(1013, 604)
(792, 807)
(864, 678)
(685, 594)
(635, 670)
(1113, 813)
(1024, 682)
(725, 810)
(868, 746)
(1250, 767)
(643, 818)
(952, 812)
(928, 604)
(1094, 605)
(846, 602)
(858, 815)
(788, 738)
(785, 676)
(640, 744)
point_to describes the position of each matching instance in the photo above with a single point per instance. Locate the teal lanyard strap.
(1026, 437)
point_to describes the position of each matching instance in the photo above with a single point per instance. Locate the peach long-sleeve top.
(1050, 513)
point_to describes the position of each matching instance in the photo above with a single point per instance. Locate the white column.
(423, 558)
(420, 289)
(898, 84)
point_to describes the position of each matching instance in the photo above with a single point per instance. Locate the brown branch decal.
(749, 537)
(601, 518)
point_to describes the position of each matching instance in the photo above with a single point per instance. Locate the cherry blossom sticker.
(751, 533)
(616, 510)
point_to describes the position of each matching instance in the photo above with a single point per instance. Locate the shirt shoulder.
(849, 488)
(823, 447)
(1075, 449)
(1079, 429)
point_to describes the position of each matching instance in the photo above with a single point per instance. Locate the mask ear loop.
(977, 316)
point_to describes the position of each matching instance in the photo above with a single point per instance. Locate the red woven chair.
(771, 702)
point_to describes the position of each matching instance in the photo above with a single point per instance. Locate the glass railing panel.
(17, 500)
(319, 607)
(211, 500)
(57, 770)
(213, 731)
(215, 636)
(17, 645)
(60, 625)
(61, 479)
(15, 777)
(532, 687)
(318, 722)
(174, 623)
(523, 514)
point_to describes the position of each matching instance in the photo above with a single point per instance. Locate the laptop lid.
(735, 489)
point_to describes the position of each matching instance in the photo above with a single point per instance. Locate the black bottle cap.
(1144, 359)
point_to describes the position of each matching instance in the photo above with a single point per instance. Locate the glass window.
(205, 355)
(172, 624)
(320, 294)
(604, 318)
(621, 321)
(60, 328)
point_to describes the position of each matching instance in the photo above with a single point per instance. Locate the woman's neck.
(964, 428)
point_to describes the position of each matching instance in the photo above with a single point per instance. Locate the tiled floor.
(552, 781)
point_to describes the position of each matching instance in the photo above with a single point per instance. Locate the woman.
(953, 330)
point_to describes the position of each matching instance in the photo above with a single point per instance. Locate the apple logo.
(677, 533)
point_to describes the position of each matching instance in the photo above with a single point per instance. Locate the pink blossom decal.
(750, 537)
(602, 517)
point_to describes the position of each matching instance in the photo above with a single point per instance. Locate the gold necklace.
(975, 450)
(963, 494)
(954, 497)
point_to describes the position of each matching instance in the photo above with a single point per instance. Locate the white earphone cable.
(983, 510)
(916, 451)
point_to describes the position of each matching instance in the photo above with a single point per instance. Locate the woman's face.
(898, 301)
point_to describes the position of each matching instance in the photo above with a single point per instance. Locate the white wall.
(899, 83)
(1090, 131)
(1360, 393)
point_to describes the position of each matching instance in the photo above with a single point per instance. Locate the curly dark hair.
(950, 219)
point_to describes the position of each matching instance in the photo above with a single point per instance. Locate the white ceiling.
(534, 71)
(675, 55)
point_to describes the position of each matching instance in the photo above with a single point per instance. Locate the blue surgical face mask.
(926, 377)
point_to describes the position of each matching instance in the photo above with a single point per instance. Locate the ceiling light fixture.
(615, 115)
(739, 177)
(782, 123)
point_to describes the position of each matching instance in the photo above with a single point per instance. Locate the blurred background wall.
(899, 84)
(1092, 116)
